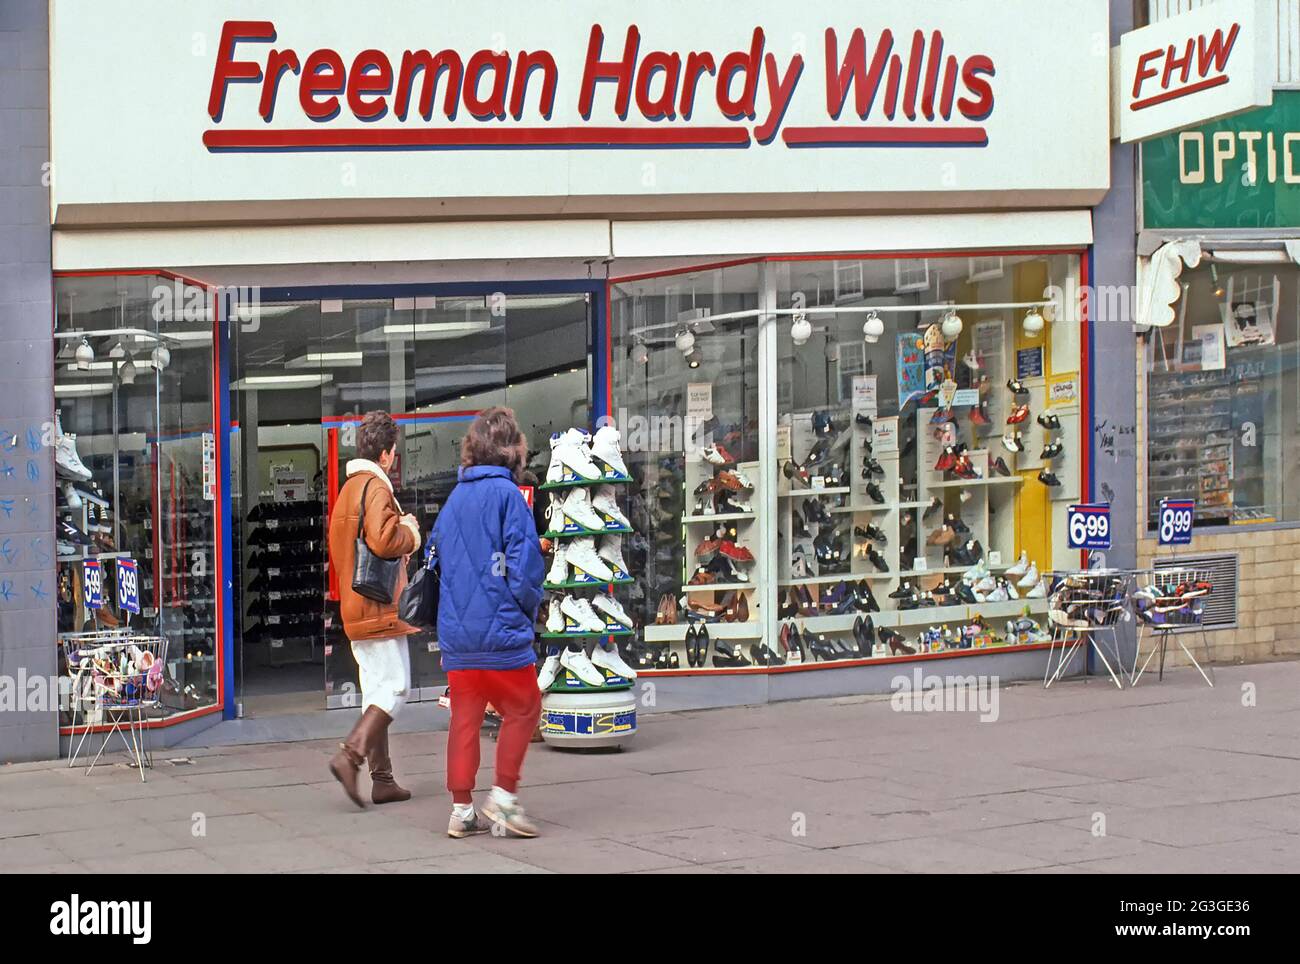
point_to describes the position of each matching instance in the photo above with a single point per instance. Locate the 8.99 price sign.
(1089, 526)
(1176, 517)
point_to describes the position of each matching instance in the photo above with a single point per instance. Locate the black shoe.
(1000, 466)
(957, 525)
(690, 646)
(862, 420)
(1052, 451)
(877, 560)
(871, 534)
(936, 505)
(797, 473)
(877, 496)
(903, 591)
(1049, 421)
(966, 594)
(863, 631)
(863, 597)
(871, 467)
(1015, 386)
(816, 513)
(1048, 479)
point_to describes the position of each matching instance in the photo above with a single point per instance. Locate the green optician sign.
(1239, 172)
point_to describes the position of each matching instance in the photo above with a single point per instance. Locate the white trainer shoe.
(580, 666)
(1030, 577)
(581, 555)
(559, 571)
(975, 574)
(998, 595)
(1039, 591)
(606, 503)
(555, 468)
(1010, 588)
(72, 495)
(605, 448)
(611, 550)
(987, 584)
(1021, 566)
(584, 617)
(610, 659)
(66, 460)
(612, 610)
(574, 456)
(550, 670)
(554, 618)
(577, 508)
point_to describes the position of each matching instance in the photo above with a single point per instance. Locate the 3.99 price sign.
(1089, 526)
(1176, 517)
(128, 586)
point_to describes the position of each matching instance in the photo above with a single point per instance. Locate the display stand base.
(602, 718)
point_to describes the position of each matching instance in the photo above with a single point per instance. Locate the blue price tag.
(1089, 526)
(93, 577)
(1176, 516)
(128, 586)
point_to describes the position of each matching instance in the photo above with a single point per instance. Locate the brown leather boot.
(383, 788)
(352, 752)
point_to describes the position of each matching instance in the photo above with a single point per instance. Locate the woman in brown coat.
(378, 637)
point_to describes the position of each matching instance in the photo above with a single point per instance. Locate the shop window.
(133, 399)
(1223, 397)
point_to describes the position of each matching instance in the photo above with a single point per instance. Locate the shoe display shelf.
(719, 526)
(285, 588)
(1190, 441)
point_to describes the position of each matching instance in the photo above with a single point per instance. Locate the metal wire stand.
(1081, 606)
(1167, 600)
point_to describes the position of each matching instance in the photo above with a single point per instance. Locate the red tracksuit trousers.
(514, 694)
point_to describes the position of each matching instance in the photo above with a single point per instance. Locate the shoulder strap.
(361, 515)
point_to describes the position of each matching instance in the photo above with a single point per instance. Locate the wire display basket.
(117, 678)
(1165, 601)
(1081, 606)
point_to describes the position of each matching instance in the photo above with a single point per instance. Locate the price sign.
(93, 577)
(128, 586)
(1176, 517)
(527, 492)
(1089, 526)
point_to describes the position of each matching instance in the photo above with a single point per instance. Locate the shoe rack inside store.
(722, 571)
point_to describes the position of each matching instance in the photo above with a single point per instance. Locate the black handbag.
(372, 576)
(419, 604)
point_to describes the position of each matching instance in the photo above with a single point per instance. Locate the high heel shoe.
(762, 656)
(726, 656)
(797, 644)
(690, 646)
(863, 631)
(895, 641)
(701, 645)
(821, 647)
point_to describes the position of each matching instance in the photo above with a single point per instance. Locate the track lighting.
(872, 329)
(640, 354)
(1033, 323)
(85, 355)
(685, 339)
(694, 357)
(127, 371)
(801, 329)
(161, 357)
(951, 326)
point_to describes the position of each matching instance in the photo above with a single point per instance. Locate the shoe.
(976, 574)
(895, 641)
(558, 574)
(947, 459)
(726, 503)
(716, 454)
(1000, 467)
(1048, 479)
(877, 496)
(823, 425)
(352, 752)
(690, 646)
(972, 360)
(611, 551)
(736, 553)
(605, 448)
(1051, 451)
(459, 827)
(877, 560)
(966, 594)
(69, 534)
(605, 502)
(383, 787)
(1039, 591)
(871, 534)
(979, 415)
(863, 634)
(578, 509)
(964, 468)
(816, 513)
(936, 505)
(942, 536)
(1020, 567)
(612, 610)
(797, 473)
(581, 555)
(570, 450)
(1018, 415)
(1030, 578)
(1049, 421)
(733, 481)
(726, 655)
(611, 660)
(954, 522)
(510, 817)
(799, 567)
(577, 663)
(554, 617)
(1015, 386)
(862, 420)
(66, 460)
(871, 467)
(583, 618)
(550, 670)
(1012, 442)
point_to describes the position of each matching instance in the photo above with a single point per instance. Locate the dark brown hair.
(494, 438)
(376, 434)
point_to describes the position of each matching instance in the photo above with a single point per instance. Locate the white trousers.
(385, 666)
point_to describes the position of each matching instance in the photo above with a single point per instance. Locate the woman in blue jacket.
(491, 586)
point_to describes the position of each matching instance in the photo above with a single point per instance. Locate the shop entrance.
(305, 366)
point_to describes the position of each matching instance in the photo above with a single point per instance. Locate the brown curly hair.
(495, 438)
(376, 434)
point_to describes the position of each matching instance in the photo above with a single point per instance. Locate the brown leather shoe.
(352, 752)
(383, 788)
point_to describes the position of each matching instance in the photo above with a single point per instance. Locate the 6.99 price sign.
(1176, 517)
(1089, 526)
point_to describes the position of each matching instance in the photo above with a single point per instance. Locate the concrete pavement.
(1171, 777)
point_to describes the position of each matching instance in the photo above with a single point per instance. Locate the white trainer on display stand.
(588, 701)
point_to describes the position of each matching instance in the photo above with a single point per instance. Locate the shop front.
(817, 267)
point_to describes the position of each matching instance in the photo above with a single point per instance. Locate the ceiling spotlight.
(685, 339)
(117, 351)
(1033, 323)
(127, 371)
(161, 357)
(640, 354)
(801, 330)
(85, 355)
(872, 329)
(694, 357)
(951, 326)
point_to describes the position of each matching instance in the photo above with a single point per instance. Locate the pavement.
(1171, 777)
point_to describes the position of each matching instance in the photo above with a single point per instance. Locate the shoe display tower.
(588, 701)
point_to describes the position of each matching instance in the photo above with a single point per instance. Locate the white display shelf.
(835, 490)
(867, 507)
(721, 517)
(676, 632)
(842, 577)
(996, 480)
(925, 616)
(718, 587)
